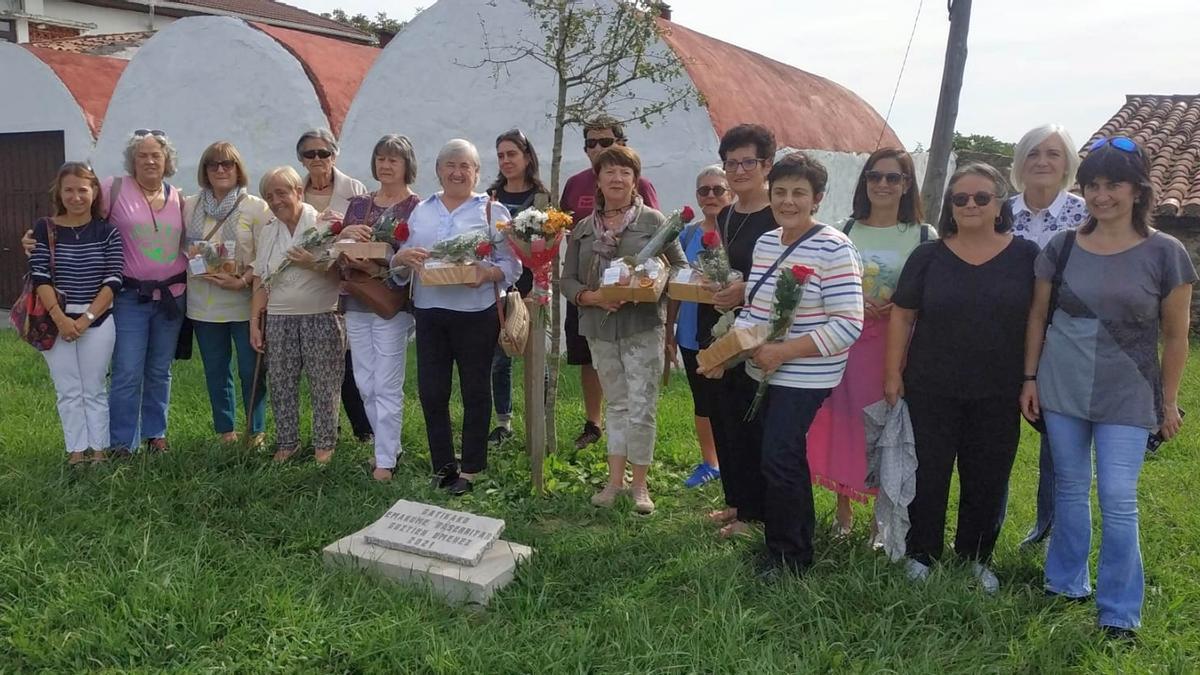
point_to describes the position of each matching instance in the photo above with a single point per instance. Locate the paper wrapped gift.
(375, 251)
(636, 289)
(436, 273)
(687, 285)
(733, 346)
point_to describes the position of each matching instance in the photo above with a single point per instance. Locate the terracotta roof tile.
(1169, 128)
(90, 79)
(98, 45)
(272, 10)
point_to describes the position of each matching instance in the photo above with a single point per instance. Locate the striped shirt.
(86, 258)
(830, 309)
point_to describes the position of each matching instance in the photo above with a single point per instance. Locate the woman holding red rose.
(379, 346)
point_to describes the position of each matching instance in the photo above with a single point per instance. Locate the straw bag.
(514, 317)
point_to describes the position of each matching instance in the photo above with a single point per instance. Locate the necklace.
(725, 236)
(612, 212)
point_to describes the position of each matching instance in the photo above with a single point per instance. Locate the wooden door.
(28, 163)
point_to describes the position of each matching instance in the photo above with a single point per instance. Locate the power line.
(888, 116)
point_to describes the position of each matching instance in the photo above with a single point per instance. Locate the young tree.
(603, 54)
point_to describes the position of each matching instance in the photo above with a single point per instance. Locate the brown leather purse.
(383, 300)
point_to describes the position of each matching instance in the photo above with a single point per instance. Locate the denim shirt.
(430, 223)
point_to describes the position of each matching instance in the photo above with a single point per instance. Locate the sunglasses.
(891, 177)
(1119, 142)
(982, 198)
(219, 164)
(314, 154)
(714, 190)
(731, 165)
(602, 142)
(157, 133)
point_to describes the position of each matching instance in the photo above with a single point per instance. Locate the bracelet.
(1031, 378)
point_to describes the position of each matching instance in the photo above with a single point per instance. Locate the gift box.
(436, 273)
(637, 289)
(733, 346)
(687, 285)
(375, 251)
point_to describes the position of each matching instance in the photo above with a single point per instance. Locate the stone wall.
(1187, 231)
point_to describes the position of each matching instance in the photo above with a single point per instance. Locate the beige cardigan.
(632, 318)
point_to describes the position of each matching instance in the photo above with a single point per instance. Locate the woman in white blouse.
(457, 324)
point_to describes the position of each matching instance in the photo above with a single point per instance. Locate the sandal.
(323, 455)
(98, 456)
(284, 454)
(735, 528)
(74, 459)
(382, 475)
(723, 516)
(157, 445)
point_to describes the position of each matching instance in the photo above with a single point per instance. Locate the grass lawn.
(209, 558)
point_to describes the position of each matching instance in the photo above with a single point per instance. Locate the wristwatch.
(90, 317)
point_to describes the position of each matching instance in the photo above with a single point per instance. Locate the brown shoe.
(590, 434)
(323, 455)
(157, 445)
(284, 454)
(77, 458)
(98, 456)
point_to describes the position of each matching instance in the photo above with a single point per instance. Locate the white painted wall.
(44, 103)
(416, 88)
(107, 19)
(208, 79)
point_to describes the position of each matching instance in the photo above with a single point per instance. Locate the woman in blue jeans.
(1096, 375)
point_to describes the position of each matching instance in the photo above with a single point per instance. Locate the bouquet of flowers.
(789, 289)
(315, 242)
(534, 237)
(713, 260)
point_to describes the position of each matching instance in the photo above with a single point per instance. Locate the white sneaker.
(916, 570)
(987, 578)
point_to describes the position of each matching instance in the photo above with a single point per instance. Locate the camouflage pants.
(630, 371)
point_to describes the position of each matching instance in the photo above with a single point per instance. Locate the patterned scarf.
(209, 207)
(604, 247)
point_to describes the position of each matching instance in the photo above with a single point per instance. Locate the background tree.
(602, 54)
(982, 143)
(383, 27)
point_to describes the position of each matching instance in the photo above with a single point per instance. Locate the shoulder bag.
(514, 316)
(378, 296)
(29, 315)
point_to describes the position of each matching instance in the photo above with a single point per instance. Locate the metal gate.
(28, 162)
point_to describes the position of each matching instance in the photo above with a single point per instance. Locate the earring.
(998, 220)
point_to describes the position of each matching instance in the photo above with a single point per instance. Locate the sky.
(1030, 61)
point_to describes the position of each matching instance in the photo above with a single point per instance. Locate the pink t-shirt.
(579, 194)
(151, 241)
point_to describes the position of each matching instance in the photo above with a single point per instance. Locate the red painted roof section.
(90, 79)
(805, 111)
(1169, 128)
(277, 11)
(335, 67)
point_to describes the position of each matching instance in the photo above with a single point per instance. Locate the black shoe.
(1066, 598)
(460, 486)
(365, 438)
(1117, 634)
(120, 453)
(770, 568)
(443, 477)
(498, 436)
(590, 434)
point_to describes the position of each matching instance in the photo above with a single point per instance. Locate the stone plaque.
(435, 532)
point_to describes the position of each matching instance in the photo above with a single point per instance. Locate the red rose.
(484, 249)
(802, 273)
(711, 239)
(687, 214)
(336, 227)
(400, 234)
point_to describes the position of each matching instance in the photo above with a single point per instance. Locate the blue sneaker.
(702, 474)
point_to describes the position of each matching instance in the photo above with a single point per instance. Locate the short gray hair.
(458, 146)
(1031, 140)
(289, 175)
(395, 145)
(711, 170)
(320, 133)
(170, 155)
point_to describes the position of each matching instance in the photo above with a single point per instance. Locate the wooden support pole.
(947, 109)
(535, 393)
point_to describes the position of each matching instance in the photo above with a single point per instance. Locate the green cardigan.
(632, 318)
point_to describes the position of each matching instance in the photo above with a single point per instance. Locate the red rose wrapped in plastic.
(400, 234)
(711, 240)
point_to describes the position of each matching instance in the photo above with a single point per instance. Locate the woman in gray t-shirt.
(1098, 380)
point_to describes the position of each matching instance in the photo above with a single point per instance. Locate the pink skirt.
(837, 444)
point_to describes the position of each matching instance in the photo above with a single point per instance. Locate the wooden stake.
(947, 109)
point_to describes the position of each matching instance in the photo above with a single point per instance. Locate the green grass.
(209, 558)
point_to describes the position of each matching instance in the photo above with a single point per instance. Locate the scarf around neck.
(209, 207)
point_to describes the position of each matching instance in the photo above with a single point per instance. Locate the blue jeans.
(140, 391)
(1045, 495)
(1119, 453)
(217, 342)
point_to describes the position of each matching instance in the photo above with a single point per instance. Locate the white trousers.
(379, 349)
(79, 370)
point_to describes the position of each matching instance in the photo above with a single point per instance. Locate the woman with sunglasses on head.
(712, 195)
(225, 218)
(885, 226)
(329, 191)
(1095, 373)
(516, 187)
(954, 353)
(77, 254)
(1044, 164)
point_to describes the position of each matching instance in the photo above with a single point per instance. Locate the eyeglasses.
(982, 198)
(219, 164)
(714, 190)
(1119, 142)
(891, 177)
(157, 133)
(731, 165)
(313, 154)
(602, 142)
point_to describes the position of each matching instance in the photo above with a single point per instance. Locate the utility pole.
(947, 109)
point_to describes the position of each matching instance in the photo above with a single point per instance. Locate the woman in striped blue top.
(84, 268)
(802, 368)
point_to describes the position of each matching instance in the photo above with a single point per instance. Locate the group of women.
(1008, 307)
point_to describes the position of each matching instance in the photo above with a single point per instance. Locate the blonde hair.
(220, 151)
(289, 175)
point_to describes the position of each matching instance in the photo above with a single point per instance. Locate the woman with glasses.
(1096, 375)
(954, 353)
(329, 191)
(223, 222)
(712, 195)
(1044, 164)
(885, 226)
(517, 188)
(747, 153)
